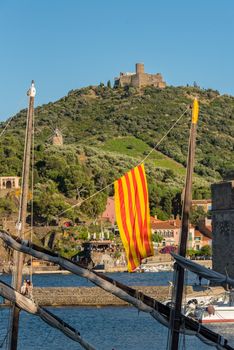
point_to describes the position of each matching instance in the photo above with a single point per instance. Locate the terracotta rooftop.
(199, 233)
(165, 225)
(201, 201)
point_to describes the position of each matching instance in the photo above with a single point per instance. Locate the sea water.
(107, 328)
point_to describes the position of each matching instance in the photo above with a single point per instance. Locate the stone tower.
(57, 138)
(223, 227)
(140, 68)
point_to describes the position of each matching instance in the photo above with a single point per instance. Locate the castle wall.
(223, 227)
(151, 80)
(140, 79)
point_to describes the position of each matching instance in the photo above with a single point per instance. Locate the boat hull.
(223, 314)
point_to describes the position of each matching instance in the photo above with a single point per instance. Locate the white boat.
(209, 309)
(212, 310)
(221, 314)
(220, 311)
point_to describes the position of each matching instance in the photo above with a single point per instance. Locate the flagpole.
(187, 202)
(19, 257)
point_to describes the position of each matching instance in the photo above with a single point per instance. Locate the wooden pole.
(19, 257)
(187, 202)
(132, 296)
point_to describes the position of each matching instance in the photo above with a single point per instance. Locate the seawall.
(92, 296)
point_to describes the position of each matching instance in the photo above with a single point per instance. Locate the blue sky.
(67, 44)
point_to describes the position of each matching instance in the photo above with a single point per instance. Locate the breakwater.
(92, 296)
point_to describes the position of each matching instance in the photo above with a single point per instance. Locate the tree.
(156, 237)
(83, 233)
(48, 202)
(167, 204)
(77, 183)
(177, 205)
(109, 84)
(161, 215)
(191, 252)
(94, 206)
(197, 214)
(7, 206)
(206, 250)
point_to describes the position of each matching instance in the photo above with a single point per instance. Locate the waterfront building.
(170, 232)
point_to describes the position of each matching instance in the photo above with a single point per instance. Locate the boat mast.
(19, 257)
(187, 202)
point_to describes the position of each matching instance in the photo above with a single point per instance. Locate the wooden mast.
(19, 257)
(187, 202)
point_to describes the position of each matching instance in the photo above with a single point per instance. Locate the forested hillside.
(107, 131)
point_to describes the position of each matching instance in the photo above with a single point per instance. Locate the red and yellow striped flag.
(133, 217)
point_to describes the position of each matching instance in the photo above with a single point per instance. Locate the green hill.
(107, 131)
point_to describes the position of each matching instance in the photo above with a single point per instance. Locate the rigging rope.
(6, 126)
(145, 303)
(142, 161)
(28, 305)
(10, 119)
(32, 191)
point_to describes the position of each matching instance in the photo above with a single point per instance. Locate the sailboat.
(211, 308)
(170, 317)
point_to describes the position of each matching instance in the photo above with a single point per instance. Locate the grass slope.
(136, 148)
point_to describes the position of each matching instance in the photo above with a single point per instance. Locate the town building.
(109, 212)
(205, 227)
(9, 182)
(200, 240)
(205, 204)
(170, 231)
(140, 79)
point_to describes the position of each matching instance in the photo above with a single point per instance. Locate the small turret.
(57, 138)
(140, 69)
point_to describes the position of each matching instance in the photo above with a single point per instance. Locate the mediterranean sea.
(108, 328)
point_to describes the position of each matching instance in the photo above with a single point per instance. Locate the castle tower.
(222, 227)
(140, 69)
(57, 138)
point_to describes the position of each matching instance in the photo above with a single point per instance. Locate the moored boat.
(221, 314)
(217, 311)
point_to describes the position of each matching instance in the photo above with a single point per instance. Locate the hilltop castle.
(140, 79)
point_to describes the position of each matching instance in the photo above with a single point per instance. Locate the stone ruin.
(140, 79)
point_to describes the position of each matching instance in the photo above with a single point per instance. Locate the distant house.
(205, 204)
(205, 227)
(200, 240)
(170, 231)
(109, 212)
